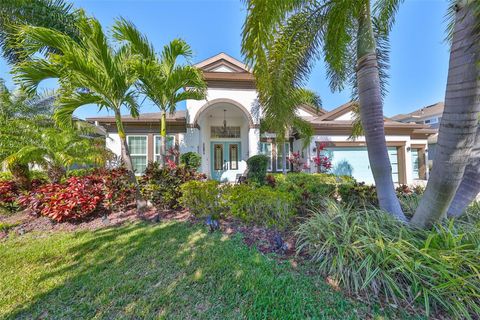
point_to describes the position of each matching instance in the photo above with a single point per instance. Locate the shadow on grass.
(170, 270)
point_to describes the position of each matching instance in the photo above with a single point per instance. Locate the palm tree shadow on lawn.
(175, 270)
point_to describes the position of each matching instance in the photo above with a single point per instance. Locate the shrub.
(260, 205)
(308, 190)
(191, 160)
(81, 197)
(358, 194)
(9, 193)
(202, 198)
(162, 185)
(73, 200)
(370, 253)
(257, 168)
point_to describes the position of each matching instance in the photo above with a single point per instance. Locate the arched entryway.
(224, 128)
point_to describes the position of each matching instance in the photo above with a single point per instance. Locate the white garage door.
(353, 161)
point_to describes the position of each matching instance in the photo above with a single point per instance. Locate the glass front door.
(225, 160)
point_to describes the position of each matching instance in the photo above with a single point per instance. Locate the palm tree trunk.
(21, 175)
(55, 173)
(127, 161)
(163, 142)
(459, 123)
(470, 186)
(284, 159)
(371, 113)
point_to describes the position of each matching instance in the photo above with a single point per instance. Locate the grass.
(163, 271)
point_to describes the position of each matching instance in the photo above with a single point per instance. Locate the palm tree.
(351, 35)
(89, 72)
(56, 150)
(26, 114)
(459, 123)
(162, 79)
(469, 188)
(55, 14)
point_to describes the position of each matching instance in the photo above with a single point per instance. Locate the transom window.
(158, 146)
(138, 152)
(228, 132)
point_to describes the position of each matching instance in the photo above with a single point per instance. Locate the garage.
(353, 161)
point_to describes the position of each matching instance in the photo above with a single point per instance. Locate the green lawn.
(168, 270)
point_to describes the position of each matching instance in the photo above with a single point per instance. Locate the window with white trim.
(158, 146)
(266, 149)
(279, 161)
(138, 152)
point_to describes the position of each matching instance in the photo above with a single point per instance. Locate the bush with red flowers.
(81, 197)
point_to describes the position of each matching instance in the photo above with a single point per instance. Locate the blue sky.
(419, 57)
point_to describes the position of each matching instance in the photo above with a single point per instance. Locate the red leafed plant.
(322, 162)
(80, 197)
(9, 193)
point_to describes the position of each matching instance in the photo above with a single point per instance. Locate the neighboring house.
(430, 115)
(225, 130)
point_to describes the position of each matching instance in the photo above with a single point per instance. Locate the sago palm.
(351, 34)
(56, 150)
(55, 14)
(89, 71)
(162, 79)
(459, 125)
(20, 112)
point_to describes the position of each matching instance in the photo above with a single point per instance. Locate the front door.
(225, 160)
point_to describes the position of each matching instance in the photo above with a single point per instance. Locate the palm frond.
(126, 31)
(53, 14)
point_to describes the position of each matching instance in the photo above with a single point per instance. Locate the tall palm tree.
(459, 123)
(56, 150)
(351, 35)
(56, 14)
(469, 188)
(162, 79)
(89, 71)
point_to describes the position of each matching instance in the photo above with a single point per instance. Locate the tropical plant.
(56, 150)
(289, 33)
(459, 125)
(54, 14)
(257, 168)
(23, 113)
(97, 74)
(162, 79)
(191, 160)
(369, 253)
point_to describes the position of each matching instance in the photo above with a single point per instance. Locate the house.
(225, 130)
(430, 115)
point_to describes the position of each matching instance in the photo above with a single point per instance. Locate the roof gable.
(222, 62)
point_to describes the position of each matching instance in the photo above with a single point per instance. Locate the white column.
(253, 141)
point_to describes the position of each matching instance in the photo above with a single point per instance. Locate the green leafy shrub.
(260, 205)
(162, 185)
(308, 190)
(257, 168)
(358, 194)
(370, 253)
(202, 198)
(191, 160)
